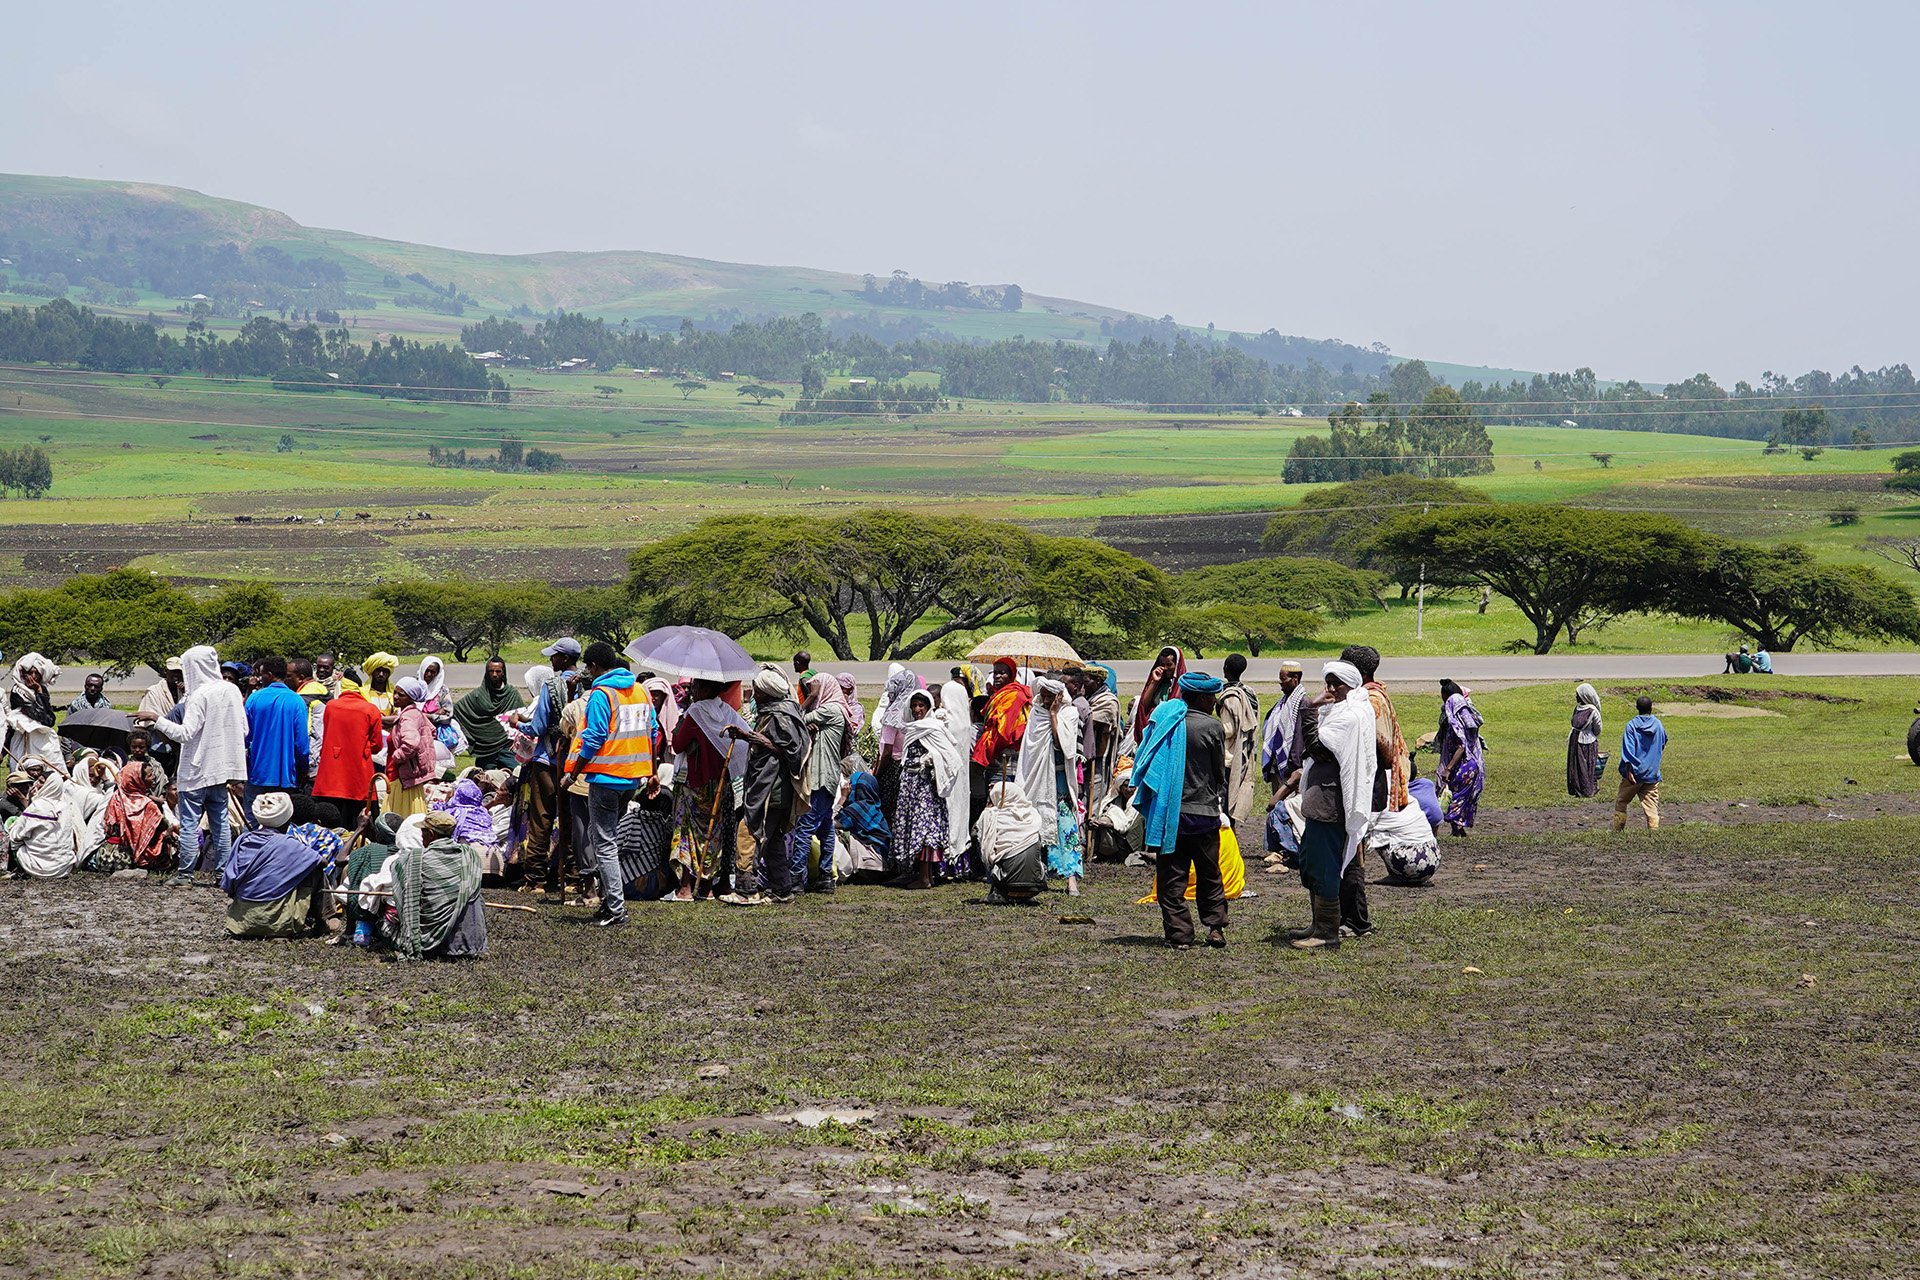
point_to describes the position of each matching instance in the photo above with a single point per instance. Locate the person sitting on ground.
(1739, 663)
(866, 838)
(1407, 839)
(43, 839)
(277, 882)
(439, 914)
(1762, 662)
(140, 830)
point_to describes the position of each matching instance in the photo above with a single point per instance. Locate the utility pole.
(1420, 607)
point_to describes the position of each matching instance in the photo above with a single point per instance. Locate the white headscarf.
(1347, 729)
(772, 681)
(535, 679)
(1048, 731)
(1585, 695)
(437, 685)
(934, 733)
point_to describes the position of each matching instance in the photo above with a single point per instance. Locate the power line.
(1650, 407)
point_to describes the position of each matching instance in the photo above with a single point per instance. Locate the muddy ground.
(1674, 1055)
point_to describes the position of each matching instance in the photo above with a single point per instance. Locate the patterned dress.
(920, 830)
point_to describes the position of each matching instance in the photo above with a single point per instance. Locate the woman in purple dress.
(1462, 766)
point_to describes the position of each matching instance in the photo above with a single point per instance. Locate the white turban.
(1345, 672)
(772, 683)
(273, 809)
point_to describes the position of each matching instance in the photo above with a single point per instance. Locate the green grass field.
(133, 460)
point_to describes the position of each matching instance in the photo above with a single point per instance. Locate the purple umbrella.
(693, 653)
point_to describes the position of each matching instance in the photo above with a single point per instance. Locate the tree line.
(884, 583)
(1860, 405)
(1571, 571)
(58, 332)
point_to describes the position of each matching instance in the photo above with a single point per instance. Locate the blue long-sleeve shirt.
(278, 744)
(1642, 744)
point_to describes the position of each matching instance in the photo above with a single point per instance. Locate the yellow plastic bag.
(1233, 870)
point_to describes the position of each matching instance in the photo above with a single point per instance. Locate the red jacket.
(349, 735)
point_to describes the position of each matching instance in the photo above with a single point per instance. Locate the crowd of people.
(353, 802)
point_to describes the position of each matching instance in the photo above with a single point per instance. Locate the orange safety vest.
(628, 750)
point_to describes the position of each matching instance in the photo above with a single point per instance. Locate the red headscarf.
(1006, 717)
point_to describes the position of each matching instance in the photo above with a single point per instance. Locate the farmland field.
(153, 477)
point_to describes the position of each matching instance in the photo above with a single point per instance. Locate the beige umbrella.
(1035, 649)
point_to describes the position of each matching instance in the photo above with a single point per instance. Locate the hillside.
(146, 247)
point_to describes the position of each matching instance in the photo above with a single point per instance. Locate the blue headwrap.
(1201, 682)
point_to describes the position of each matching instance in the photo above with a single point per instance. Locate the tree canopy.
(463, 616)
(1565, 569)
(1285, 582)
(1781, 595)
(893, 570)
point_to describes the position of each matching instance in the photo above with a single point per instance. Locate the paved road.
(1508, 669)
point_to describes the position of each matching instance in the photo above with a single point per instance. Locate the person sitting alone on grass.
(277, 882)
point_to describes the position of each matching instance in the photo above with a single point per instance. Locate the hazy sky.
(1652, 190)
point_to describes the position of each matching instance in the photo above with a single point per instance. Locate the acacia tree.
(461, 615)
(1780, 595)
(1559, 566)
(687, 386)
(118, 621)
(894, 569)
(761, 393)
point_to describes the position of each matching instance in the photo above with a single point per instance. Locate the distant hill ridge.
(144, 245)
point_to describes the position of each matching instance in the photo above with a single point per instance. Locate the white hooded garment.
(958, 709)
(212, 732)
(1052, 736)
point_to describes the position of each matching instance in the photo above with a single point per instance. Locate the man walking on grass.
(1642, 744)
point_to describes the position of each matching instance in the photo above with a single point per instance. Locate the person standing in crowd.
(1462, 765)
(157, 703)
(1393, 768)
(478, 715)
(30, 712)
(1180, 777)
(1277, 747)
(1642, 745)
(93, 694)
(547, 824)
(378, 689)
(777, 747)
(956, 706)
(326, 669)
(705, 819)
(614, 753)
(1049, 776)
(1583, 743)
(1238, 711)
(316, 695)
(350, 736)
(1161, 681)
(412, 761)
(927, 780)
(212, 737)
(1099, 740)
(997, 749)
(278, 745)
(1340, 747)
(826, 721)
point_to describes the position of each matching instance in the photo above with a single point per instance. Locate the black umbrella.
(102, 728)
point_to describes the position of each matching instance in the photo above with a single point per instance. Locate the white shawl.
(931, 732)
(957, 707)
(1007, 826)
(1347, 730)
(1048, 733)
